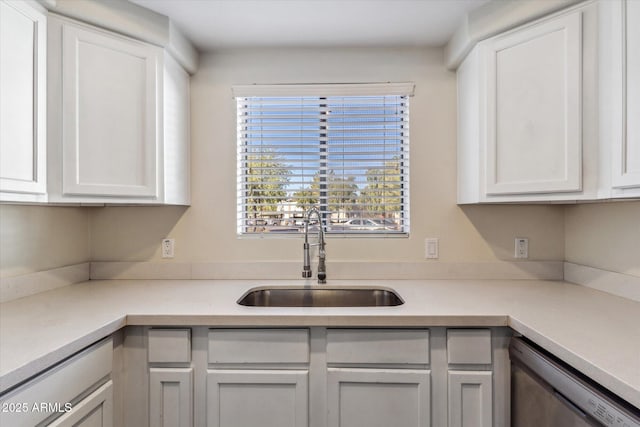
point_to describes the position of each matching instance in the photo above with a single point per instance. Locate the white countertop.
(597, 333)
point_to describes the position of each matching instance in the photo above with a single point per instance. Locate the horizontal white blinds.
(346, 155)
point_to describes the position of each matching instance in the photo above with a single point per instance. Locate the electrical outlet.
(431, 248)
(168, 246)
(521, 247)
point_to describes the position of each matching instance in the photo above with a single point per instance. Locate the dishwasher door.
(545, 392)
(535, 404)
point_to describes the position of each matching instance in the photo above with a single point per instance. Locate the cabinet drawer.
(50, 392)
(94, 410)
(169, 345)
(469, 346)
(258, 346)
(385, 346)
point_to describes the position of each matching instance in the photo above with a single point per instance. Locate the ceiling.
(222, 24)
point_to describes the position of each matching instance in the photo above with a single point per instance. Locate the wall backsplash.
(37, 238)
(604, 236)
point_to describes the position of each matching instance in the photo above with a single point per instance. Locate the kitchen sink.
(320, 296)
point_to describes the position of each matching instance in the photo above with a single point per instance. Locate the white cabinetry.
(470, 399)
(528, 111)
(95, 410)
(620, 94)
(533, 108)
(258, 377)
(109, 90)
(470, 378)
(476, 383)
(170, 397)
(378, 397)
(254, 397)
(170, 377)
(546, 111)
(57, 397)
(23, 85)
(118, 119)
(378, 377)
(317, 377)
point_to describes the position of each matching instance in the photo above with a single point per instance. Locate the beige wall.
(605, 236)
(36, 238)
(206, 230)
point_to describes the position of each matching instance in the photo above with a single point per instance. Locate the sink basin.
(320, 296)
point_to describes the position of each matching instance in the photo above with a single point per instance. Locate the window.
(343, 149)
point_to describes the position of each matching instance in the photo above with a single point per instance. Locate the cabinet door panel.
(378, 397)
(170, 397)
(96, 410)
(533, 108)
(470, 399)
(257, 398)
(23, 60)
(626, 153)
(109, 115)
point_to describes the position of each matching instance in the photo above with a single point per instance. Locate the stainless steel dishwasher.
(545, 392)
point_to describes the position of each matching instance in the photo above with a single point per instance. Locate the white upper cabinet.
(545, 110)
(620, 94)
(523, 100)
(109, 98)
(23, 66)
(533, 108)
(118, 119)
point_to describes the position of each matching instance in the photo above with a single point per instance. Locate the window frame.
(322, 92)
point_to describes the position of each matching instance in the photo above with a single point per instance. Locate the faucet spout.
(322, 268)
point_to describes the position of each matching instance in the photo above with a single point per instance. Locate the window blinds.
(347, 155)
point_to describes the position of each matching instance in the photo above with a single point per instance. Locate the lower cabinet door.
(265, 398)
(96, 410)
(470, 399)
(170, 397)
(378, 397)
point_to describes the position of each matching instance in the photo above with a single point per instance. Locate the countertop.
(596, 333)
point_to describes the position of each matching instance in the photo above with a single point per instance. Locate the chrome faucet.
(322, 268)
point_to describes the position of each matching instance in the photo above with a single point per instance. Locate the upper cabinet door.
(23, 66)
(626, 145)
(109, 123)
(533, 98)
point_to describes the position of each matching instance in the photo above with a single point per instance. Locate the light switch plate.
(431, 250)
(521, 247)
(168, 247)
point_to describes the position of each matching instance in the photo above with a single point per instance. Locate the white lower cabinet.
(170, 377)
(257, 377)
(378, 397)
(316, 377)
(77, 392)
(470, 399)
(266, 398)
(170, 397)
(96, 410)
(378, 377)
(472, 357)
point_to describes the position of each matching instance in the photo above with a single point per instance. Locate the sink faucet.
(322, 268)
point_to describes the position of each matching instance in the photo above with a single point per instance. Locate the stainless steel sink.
(320, 296)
